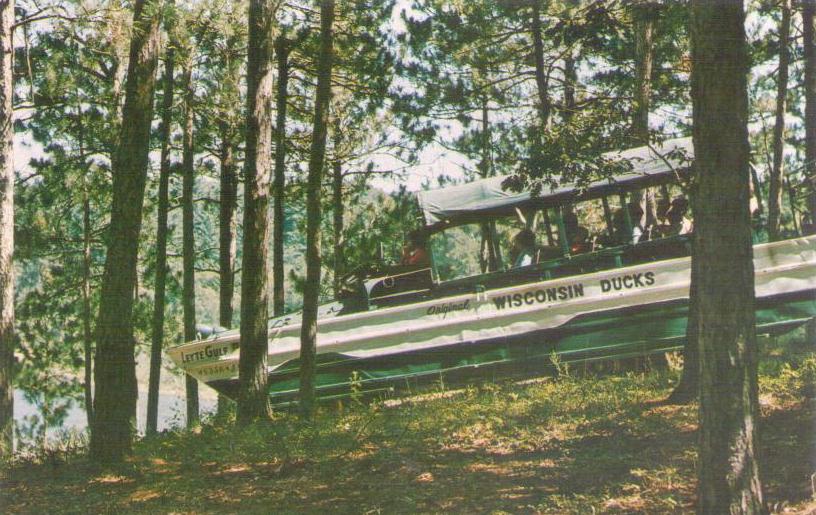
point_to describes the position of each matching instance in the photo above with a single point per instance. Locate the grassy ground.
(566, 445)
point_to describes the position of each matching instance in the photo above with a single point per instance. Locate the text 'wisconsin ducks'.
(628, 282)
(539, 296)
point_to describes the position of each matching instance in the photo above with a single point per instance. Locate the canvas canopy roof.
(485, 198)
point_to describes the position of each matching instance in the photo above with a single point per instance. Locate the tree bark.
(317, 154)
(7, 337)
(570, 82)
(775, 181)
(160, 286)
(87, 333)
(644, 14)
(188, 234)
(643, 17)
(228, 198)
(487, 255)
(728, 468)
(227, 202)
(253, 400)
(282, 47)
(115, 372)
(338, 225)
(809, 43)
(688, 388)
(541, 76)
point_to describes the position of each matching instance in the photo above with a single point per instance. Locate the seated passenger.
(654, 230)
(676, 216)
(522, 253)
(626, 235)
(414, 253)
(663, 205)
(581, 242)
(577, 235)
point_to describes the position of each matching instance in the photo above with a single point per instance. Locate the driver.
(414, 253)
(523, 250)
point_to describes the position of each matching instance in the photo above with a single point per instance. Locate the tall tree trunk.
(87, 333)
(226, 244)
(157, 336)
(487, 255)
(115, 372)
(689, 386)
(728, 469)
(226, 227)
(282, 47)
(253, 399)
(485, 164)
(775, 181)
(6, 232)
(228, 197)
(643, 16)
(317, 154)
(188, 234)
(338, 225)
(809, 42)
(570, 82)
(541, 75)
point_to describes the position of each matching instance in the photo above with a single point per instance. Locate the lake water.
(171, 412)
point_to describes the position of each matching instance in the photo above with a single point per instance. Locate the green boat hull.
(604, 335)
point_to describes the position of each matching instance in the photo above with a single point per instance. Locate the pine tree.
(282, 49)
(253, 401)
(188, 229)
(160, 283)
(308, 336)
(775, 181)
(7, 338)
(729, 406)
(809, 43)
(115, 373)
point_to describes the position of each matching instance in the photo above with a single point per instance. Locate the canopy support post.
(562, 232)
(610, 228)
(548, 227)
(627, 219)
(494, 242)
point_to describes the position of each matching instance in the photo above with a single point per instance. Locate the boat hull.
(616, 313)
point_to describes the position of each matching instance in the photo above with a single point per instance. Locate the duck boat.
(619, 300)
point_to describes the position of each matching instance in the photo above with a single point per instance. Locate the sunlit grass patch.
(571, 444)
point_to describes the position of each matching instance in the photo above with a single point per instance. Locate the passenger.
(523, 250)
(676, 216)
(663, 206)
(570, 222)
(624, 234)
(577, 234)
(581, 242)
(414, 252)
(639, 232)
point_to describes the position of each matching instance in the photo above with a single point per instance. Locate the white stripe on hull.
(781, 267)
